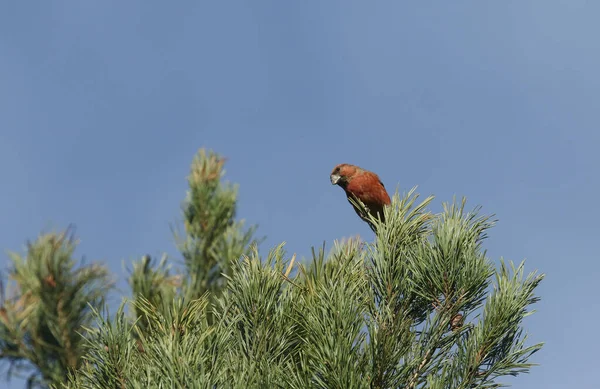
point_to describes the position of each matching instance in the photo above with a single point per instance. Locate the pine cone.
(457, 322)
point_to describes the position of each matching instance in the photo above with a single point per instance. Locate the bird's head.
(342, 174)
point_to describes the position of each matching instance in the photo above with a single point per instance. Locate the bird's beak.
(334, 178)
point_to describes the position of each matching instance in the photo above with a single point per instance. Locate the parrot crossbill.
(362, 185)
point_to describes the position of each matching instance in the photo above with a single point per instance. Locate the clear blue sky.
(103, 105)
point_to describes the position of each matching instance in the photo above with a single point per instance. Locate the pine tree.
(47, 303)
(211, 239)
(422, 306)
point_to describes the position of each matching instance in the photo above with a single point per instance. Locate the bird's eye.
(337, 169)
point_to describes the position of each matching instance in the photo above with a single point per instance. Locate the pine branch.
(213, 238)
(46, 307)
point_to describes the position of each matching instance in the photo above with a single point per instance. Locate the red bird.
(363, 185)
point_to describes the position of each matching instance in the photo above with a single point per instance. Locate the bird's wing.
(369, 189)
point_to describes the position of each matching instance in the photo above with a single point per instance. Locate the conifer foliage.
(47, 303)
(422, 306)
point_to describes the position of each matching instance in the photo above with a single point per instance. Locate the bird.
(365, 186)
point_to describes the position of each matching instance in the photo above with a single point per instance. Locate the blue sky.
(103, 105)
